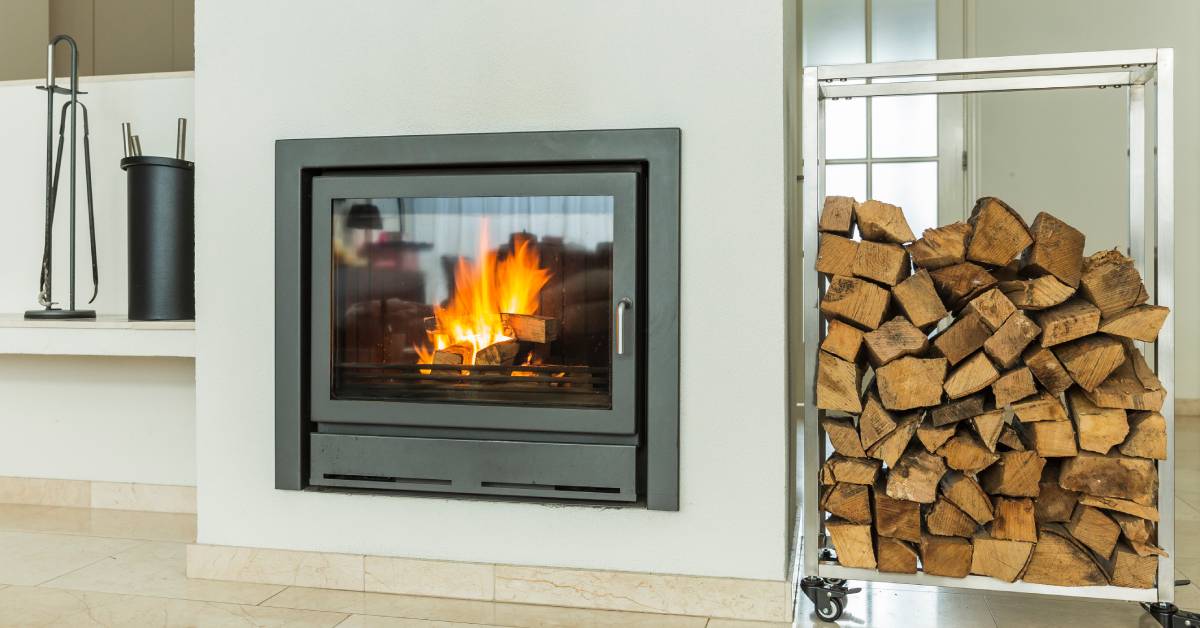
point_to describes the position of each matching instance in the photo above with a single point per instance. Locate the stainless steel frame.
(1132, 69)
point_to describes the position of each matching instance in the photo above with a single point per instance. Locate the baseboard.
(1187, 407)
(96, 494)
(731, 598)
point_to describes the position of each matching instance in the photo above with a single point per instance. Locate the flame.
(481, 292)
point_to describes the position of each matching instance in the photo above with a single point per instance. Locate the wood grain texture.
(946, 556)
(970, 376)
(1012, 386)
(1047, 369)
(941, 246)
(965, 492)
(843, 340)
(1141, 322)
(1036, 294)
(960, 283)
(1111, 476)
(837, 215)
(957, 410)
(964, 452)
(836, 254)
(1000, 234)
(1050, 439)
(889, 448)
(999, 558)
(882, 262)
(838, 384)
(963, 337)
(896, 556)
(853, 543)
(851, 502)
(896, 518)
(1100, 429)
(946, 519)
(1059, 559)
(1005, 346)
(992, 307)
(1094, 529)
(844, 436)
(883, 222)
(1016, 474)
(1147, 436)
(852, 470)
(909, 383)
(855, 301)
(1062, 323)
(915, 477)
(1091, 360)
(894, 339)
(919, 300)
(1057, 250)
(1111, 282)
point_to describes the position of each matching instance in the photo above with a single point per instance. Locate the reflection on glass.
(903, 30)
(846, 180)
(473, 299)
(904, 126)
(913, 187)
(846, 128)
(834, 32)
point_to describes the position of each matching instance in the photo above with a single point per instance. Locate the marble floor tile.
(159, 569)
(384, 604)
(1044, 611)
(120, 524)
(374, 621)
(41, 607)
(534, 616)
(31, 558)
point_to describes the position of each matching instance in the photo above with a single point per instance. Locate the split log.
(1062, 323)
(960, 283)
(919, 300)
(1009, 438)
(851, 502)
(889, 448)
(962, 338)
(1141, 322)
(1059, 559)
(837, 215)
(1147, 549)
(1047, 369)
(988, 426)
(963, 491)
(946, 519)
(844, 436)
(909, 383)
(896, 518)
(1014, 520)
(454, 354)
(879, 261)
(1005, 346)
(964, 452)
(499, 354)
(896, 556)
(971, 376)
(827, 478)
(853, 543)
(835, 255)
(1147, 436)
(531, 328)
(875, 422)
(1016, 474)
(838, 383)
(1043, 407)
(855, 301)
(1000, 234)
(1111, 282)
(1100, 429)
(945, 556)
(853, 470)
(999, 558)
(881, 222)
(1094, 529)
(1116, 504)
(915, 477)
(941, 247)
(957, 410)
(843, 340)
(932, 437)
(1050, 439)
(894, 339)
(1134, 528)
(1057, 250)
(1013, 385)
(1126, 568)
(1132, 386)
(1110, 476)
(992, 307)
(1054, 504)
(1091, 360)
(1038, 293)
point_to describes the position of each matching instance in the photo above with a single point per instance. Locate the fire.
(484, 289)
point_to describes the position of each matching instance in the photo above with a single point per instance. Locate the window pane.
(904, 126)
(846, 128)
(912, 186)
(903, 30)
(835, 31)
(846, 180)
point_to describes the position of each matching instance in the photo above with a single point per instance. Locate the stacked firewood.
(988, 409)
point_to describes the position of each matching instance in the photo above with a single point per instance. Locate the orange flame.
(481, 292)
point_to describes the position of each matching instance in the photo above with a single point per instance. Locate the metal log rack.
(1131, 70)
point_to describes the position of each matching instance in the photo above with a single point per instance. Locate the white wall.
(89, 418)
(1064, 152)
(270, 70)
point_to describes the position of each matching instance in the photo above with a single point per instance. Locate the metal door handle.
(622, 306)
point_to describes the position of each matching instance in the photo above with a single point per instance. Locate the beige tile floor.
(78, 568)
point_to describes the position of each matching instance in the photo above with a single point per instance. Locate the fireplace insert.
(486, 314)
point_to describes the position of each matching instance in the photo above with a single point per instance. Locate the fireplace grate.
(585, 386)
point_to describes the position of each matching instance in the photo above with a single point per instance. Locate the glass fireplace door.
(488, 301)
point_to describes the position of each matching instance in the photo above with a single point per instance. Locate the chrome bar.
(986, 583)
(180, 138)
(1165, 295)
(970, 86)
(812, 125)
(982, 65)
(622, 306)
(126, 135)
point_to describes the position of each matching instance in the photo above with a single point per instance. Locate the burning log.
(941, 247)
(1000, 234)
(1057, 250)
(531, 328)
(499, 354)
(454, 354)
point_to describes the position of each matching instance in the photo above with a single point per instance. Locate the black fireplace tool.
(53, 169)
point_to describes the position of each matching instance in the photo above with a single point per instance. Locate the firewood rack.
(1151, 246)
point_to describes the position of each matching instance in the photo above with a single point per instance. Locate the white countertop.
(104, 335)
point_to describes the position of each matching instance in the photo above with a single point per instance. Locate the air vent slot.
(384, 478)
(551, 487)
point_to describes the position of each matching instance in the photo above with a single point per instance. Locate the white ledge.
(105, 335)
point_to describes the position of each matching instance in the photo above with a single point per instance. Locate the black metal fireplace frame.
(646, 462)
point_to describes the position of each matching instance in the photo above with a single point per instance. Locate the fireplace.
(490, 315)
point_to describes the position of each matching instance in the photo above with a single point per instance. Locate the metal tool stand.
(1152, 250)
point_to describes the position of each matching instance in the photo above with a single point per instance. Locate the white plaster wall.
(271, 70)
(1064, 152)
(88, 418)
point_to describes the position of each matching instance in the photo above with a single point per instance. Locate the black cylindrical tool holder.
(162, 276)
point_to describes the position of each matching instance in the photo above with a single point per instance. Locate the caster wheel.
(831, 610)
(837, 582)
